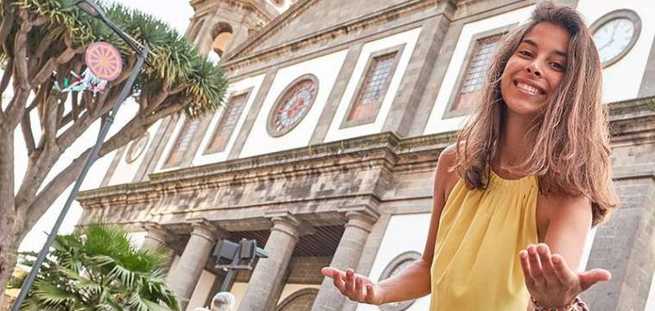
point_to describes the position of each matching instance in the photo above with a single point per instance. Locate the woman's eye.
(525, 53)
(558, 66)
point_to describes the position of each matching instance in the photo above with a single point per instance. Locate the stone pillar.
(268, 276)
(155, 240)
(348, 252)
(184, 276)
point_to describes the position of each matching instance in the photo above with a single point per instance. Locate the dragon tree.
(43, 44)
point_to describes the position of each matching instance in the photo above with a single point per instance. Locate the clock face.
(292, 107)
(615, 34)
(613, 38)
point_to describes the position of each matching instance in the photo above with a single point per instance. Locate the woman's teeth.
(527, 89)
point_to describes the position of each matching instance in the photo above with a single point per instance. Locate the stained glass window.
(227, 123)
(182, 142)
(376, 81)
(476, 72)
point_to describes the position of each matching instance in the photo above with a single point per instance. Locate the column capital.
(290, 224)
(363, 217)
(203, 228)
(155, 231)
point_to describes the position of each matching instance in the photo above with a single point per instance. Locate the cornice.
(632, 121)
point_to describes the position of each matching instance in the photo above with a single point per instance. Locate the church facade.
(324, 152)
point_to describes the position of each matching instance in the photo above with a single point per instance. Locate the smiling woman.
(515, 198)
(535, 69)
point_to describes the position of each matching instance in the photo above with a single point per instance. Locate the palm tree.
(96, 268)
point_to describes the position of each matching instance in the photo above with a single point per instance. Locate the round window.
(293, 105)
(136, 148)
(396, 265)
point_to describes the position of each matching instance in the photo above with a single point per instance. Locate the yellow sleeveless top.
(476, 264)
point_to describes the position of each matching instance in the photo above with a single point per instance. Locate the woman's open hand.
(549, 279)
(354, 286)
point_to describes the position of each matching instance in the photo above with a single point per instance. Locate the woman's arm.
(413, 281)
(549, 267)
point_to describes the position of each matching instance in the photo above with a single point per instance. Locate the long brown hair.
(571, 147)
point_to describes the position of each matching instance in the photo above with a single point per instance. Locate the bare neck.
(515, 146)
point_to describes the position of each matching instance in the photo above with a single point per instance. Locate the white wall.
(435, 122)
(235, 88)
(125, 172)
(396, 240)
(325, 68)
(408, 38)
(238, 290)
(621, 80)
(202, 290)
(292, 288)
(650, 302)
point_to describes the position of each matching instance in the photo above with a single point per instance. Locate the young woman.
(515, 198)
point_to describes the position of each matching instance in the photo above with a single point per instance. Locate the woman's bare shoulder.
(446, 174)
(447, 161)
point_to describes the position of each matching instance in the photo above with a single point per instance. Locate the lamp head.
(89, 7)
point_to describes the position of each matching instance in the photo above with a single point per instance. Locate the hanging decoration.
(104, 64)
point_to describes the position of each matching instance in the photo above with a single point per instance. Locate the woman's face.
(536, 68)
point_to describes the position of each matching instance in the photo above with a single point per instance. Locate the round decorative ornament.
(293, 105)
(104, 60)
(136, 148)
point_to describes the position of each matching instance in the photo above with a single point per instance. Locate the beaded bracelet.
(576, 305)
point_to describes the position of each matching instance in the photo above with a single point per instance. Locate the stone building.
(326, 149)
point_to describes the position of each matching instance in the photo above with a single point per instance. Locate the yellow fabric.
(476, 264)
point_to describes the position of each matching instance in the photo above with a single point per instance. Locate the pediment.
(308, 17)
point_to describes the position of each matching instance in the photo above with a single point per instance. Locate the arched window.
(222, 35)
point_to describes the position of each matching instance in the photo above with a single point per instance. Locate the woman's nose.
(534, 69)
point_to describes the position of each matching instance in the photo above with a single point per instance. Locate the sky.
(174, 12)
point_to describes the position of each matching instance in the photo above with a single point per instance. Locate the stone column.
(155, 240)
(184, 276)
(348, 252)
(268, 276)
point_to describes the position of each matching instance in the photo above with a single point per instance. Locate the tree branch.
(42, 201)
(68, 137)
(26, 127)
(50, 119)
(178, 89)
(6, 76)
(52, 64)
(8, 20)
(21, 84)
(164, 111)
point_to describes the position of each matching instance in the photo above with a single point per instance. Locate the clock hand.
(606, 44)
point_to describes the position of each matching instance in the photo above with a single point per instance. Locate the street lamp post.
(244, 250)
(142, 52)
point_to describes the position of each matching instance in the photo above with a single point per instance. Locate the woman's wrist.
(575, 305)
